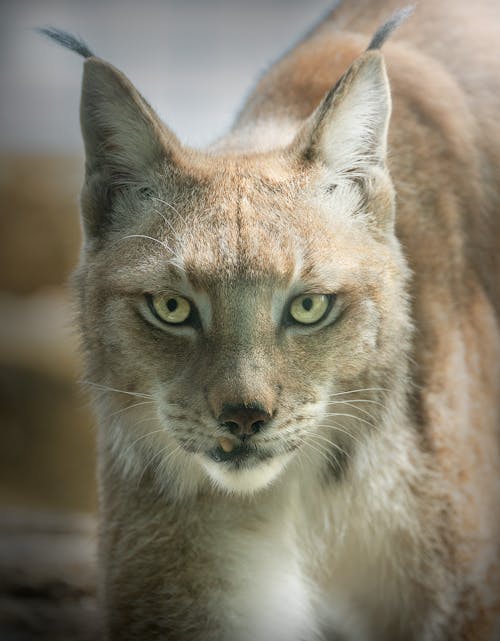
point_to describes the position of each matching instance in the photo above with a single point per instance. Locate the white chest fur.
(273, 599)
(323, 564)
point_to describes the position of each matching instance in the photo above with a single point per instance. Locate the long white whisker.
(359, 409)
(155, 240)
(140, 439)
(167, 204)
(106, 388)
(359, 400)
(145, 420)
(325, 454)
(167, 222)
(170, 456)
(310, 460)
(327, 440)
(341, 429)
(357, 418)
(155, 211)
(175, 260)
(122, 410)
(155, 455)
(362, 389)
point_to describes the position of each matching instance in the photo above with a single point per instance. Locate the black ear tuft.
(383, 32)
(67, 40)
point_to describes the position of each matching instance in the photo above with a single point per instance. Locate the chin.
(245, 479)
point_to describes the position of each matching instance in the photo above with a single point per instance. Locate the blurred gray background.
(194, 60)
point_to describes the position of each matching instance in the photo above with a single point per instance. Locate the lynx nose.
(244, 420)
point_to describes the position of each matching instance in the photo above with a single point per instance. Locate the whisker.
(338, 428)
(143, 436)
(351, 404)
(333, 459)
(310, 460)
(169, 457)
(145, 420)
(357, 418)
(301, 461)
(155, 455)
(361, 389)
(325, 454)
(167, 222)
(155, 211)
(155, 240)
(326, 440)
(128, 407)
(359, 400)
(342, 430)
(174, 260)
(106, 388)
(322, 453)
(167, 204)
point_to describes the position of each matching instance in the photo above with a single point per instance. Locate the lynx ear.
(348, 131)
(124, 140)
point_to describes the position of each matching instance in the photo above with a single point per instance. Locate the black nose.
(244, 420)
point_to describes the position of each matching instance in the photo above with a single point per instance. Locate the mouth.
(245, 469)
(238, 456)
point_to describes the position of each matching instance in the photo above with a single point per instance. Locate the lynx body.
(312, 451)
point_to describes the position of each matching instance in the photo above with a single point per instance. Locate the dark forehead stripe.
(251, 251)
(245, 225)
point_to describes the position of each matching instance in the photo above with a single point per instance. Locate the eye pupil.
(172, 304)
(307, 304)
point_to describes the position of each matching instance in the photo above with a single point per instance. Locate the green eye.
(309, 308)
(170, 308)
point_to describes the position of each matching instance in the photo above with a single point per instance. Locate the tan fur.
(376, 516)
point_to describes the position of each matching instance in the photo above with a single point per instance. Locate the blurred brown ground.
(47, 453)
(47, 486)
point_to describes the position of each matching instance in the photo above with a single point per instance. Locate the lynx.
(293, 341)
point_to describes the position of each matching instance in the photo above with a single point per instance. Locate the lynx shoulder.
(293, 341)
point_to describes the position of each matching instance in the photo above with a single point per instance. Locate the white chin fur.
(246, 480)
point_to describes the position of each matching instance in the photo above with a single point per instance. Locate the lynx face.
(245, 297)
(243, 320)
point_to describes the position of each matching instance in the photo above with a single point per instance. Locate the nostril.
(231, 426)
(240, 429)
(257, 426)
(244, 420)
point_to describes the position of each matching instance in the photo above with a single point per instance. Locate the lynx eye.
(170, 308)
(309, 308)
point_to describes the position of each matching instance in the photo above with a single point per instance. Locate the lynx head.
(237, 308)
